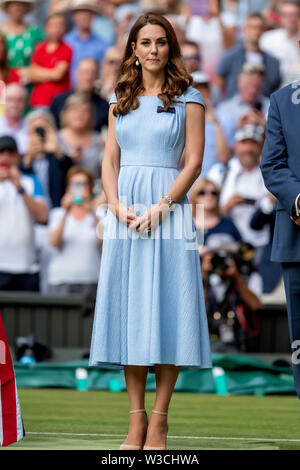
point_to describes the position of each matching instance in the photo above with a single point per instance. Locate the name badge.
(160, 109)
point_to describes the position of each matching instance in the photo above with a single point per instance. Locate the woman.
(109, 72)
(216, 229)
(21, 38)
(150, 307)
(75, 264)
(77, 137)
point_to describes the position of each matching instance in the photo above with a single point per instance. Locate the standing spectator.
(12, 123)
(283, 42)
(21, 38)
(248, 52)
(77, 138)
(50, 64)
(110, 70)
(249, 97)
(21, 205)
(81, 39)
(44, 157)
(86, 74)
(75, 265)
(242, 185)
(213, 35)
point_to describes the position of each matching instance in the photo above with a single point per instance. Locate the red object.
(11, 423)
(43, 92)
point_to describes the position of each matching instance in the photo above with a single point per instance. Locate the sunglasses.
(113, 62)
(202, 192)
(191, 57)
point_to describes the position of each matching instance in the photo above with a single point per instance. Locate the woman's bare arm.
(193, 152)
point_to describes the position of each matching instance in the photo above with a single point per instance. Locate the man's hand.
(296, 220)
(15, 176)
(233, 201)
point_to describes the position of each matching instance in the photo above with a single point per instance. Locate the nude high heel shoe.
(163, 413)
(131, 446)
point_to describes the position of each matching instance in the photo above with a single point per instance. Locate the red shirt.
(43, 93)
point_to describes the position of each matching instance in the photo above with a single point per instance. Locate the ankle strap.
(137, 411)
(164, 413)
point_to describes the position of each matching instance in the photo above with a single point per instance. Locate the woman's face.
(17, 10)
(79, 116)
(113, 62)
(152, 48)
(208, 197)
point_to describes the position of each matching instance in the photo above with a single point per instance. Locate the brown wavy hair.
(130, 84)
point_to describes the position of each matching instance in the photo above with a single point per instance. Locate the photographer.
(21, 206)
(44, 157)
(232, 290)
(74, 266)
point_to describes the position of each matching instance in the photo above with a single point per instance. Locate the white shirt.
(78, 260)
(208, 34)
(286, 50)
(19, 134)
(250, 185)
(17, 241)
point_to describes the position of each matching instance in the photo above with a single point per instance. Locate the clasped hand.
(146, 222)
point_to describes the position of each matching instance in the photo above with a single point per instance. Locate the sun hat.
(30, 3)
(90, 5)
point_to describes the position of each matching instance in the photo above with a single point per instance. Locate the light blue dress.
(150, 306)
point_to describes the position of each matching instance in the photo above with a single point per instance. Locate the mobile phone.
(77, 190)
(41, 132)
(249, 201)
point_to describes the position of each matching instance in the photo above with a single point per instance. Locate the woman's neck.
(211, 218)
(153, 83)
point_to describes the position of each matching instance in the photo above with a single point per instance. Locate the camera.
(242, 253)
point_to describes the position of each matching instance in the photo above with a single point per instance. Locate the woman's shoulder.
(113, 98)
(193, 95)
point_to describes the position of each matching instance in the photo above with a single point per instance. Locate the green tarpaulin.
(244, 375)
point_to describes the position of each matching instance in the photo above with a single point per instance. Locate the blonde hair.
(198, 186)
(74, 100)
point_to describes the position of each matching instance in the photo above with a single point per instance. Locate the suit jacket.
(280, 166)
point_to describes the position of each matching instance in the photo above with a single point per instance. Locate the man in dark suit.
(280, 166)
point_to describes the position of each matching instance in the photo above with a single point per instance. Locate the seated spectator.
(74, 267)
(77, 138)
(249, 97)
(21, 38)
(50, 63)
(212, 31)
(190, 51)
(216, 146)
(242, 185)
(44, 157)
(215, 228)
(12, 122)
(86, 74)
(110, 70)
(283, 42)
(82, 41)
(21, 205)
(248, 52)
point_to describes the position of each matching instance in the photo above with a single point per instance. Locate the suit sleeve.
(278, 177)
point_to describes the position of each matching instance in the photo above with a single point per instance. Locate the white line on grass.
(172, 437)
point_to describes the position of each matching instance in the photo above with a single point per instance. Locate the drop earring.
(137, 62)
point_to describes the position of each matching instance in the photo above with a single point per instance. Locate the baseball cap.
(8, 143)
(200, 77)
(250, 131)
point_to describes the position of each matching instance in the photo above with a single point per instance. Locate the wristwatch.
(21, 190)
(170, 201)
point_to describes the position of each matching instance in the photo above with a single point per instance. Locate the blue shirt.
(224, 232)
(92, 48)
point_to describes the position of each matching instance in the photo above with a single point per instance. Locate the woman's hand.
(150, 219)
(67, 201)
(51, 144)
(124, 214)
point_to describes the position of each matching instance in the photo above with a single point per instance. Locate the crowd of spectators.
(59, 60)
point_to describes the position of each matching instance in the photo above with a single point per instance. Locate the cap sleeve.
(194, 96)
(113, 99)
